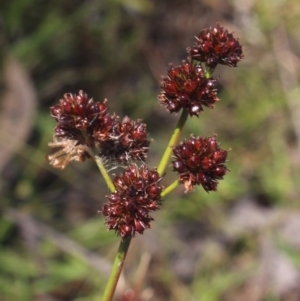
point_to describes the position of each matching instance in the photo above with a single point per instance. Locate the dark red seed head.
(137, 194)
(199, 161)
(215, 46)
(186, 87)
(124, 142)
(77, 117)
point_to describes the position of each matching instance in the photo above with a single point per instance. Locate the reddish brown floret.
(103, 131)
(126, 141)
(137, 194)
(187, 87)
(77, 116)
(216, 46)
(200, 161)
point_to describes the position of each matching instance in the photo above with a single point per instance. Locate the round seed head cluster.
(77, 116)
(127, 140)
(186, 87)
(137, 194)
(90, 124)
(199, 161)
(215, 46)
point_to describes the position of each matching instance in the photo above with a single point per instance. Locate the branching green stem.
(170, 188)
(105, 174)
(124, 244)
(173, 141)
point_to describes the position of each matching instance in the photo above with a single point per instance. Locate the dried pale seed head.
(68, 150)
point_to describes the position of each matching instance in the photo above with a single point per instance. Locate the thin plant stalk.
(105, 174)
(173, 141)
(116, 270)
(170, 188)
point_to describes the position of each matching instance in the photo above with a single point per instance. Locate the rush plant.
(87, 130)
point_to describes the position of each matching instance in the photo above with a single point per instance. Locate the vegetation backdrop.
(241, 243)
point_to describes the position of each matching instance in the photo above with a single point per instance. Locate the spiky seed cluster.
(88, 124)
(214, 46)
(127, 140)
(77, 116)
(137, 194)
(200, 161)
(186, 87)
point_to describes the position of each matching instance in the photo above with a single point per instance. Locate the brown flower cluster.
(90, 125)
(127, 141)
(187, 87)
(137, 194)
(77, 116)
(200, 161)
(190, 86)
(215, 46)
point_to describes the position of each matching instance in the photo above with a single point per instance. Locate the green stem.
(116, 270)
(105, 174)
(170, 188)
(173, 141)
(209, 72)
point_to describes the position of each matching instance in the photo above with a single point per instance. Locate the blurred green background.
(241, 243)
